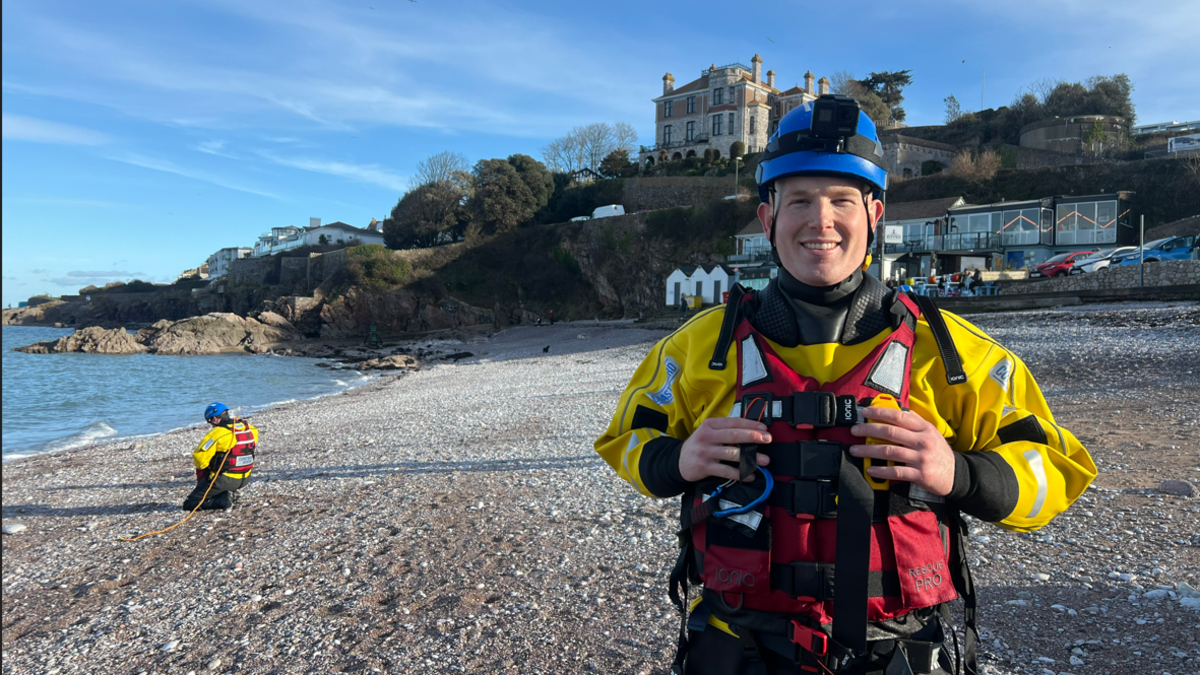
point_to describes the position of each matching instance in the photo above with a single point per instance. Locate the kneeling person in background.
(223, 460)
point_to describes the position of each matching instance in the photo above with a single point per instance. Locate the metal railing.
(957, 241)
(682, 143)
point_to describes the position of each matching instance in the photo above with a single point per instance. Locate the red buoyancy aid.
(241, 455)
(780, 559)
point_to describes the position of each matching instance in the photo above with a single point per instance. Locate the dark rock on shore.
(92, 340)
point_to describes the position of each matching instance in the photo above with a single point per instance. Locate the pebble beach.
(455, 519)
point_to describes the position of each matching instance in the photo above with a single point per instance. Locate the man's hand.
(912, 441)
(716, 440)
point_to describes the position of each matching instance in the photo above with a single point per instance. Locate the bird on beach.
(546, 349)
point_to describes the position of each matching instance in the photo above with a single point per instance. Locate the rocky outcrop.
(31, 315)
(401, 311)
(215, 333)
(394, 362)
(94, 340)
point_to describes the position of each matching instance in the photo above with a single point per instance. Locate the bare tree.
(586, 146)
(842, 81)
(626, 137)
(447, 166)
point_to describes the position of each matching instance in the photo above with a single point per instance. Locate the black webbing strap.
(816, 580)
(856, 503)
(960, 573)
(814, 498)
(800, 141)
(733, 312)
(941, 335)
(677, 591)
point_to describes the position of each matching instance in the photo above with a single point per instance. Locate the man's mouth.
(819, 245)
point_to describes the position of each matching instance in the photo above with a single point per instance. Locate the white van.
(610, 210)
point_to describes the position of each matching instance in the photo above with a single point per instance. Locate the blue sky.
(139, 137)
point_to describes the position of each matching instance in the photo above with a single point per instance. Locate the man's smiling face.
(822, 226)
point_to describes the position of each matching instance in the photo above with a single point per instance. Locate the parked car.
(1099, 260)
(578, 218)
(610, 210)
(1058, 265)
(1169, 248)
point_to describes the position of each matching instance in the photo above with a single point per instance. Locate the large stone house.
(724, 105)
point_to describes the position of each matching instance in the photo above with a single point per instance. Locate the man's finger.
(733, 423)
(906, 419)
(739, 436)
(886, 432)
(723, 471)
(893, 452)
(902, 473)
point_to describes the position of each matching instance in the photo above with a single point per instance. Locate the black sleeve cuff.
(985, 486)
(659, 467)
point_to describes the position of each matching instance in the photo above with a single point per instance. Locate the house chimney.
(823, 84)
(314, 222)
(756, 69)
(668, 83)
(808, 82)
(374, 226)
(771, 79)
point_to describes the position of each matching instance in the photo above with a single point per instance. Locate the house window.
(667, 135)
(718, 96)
(716, 122)
(732, 96)
(753, 125)
(691, 131)
(691, 104)
(731, 123)
(669, 109)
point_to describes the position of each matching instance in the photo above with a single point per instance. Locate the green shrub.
(374, 266)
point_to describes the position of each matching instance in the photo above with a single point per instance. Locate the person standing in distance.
(825, 435)
(224, 459)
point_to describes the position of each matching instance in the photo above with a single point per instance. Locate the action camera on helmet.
(834, 117)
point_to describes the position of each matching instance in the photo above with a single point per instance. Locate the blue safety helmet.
(827, 137)
(215, 410)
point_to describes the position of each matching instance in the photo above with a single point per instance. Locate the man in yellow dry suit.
(827, 433)
(224, 460)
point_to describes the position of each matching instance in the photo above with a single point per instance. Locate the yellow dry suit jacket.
(220, 439)
(1025, 469)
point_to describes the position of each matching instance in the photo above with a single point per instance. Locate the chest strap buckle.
(810, 639)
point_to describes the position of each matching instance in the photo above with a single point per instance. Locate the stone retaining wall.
(1172, 273)
(671, 191)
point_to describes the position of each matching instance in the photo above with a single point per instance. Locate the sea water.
(62, 401)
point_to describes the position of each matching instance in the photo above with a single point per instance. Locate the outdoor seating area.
(950, 286)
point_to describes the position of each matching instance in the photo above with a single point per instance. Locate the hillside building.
(726, 104)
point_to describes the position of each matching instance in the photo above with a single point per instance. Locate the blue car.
(1170, 248)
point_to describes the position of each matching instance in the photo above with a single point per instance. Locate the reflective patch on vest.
(209, 443)
(736, 410)
(1039, 472)
(634, 441)
(887, 375)
(753, 368)
(751, 519)
(664, 397)
(1002, 373)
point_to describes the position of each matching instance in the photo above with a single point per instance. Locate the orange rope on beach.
(193, 511)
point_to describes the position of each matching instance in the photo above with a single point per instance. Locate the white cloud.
(485, 68)
(170, 167)
(371, 173)
(20, 128)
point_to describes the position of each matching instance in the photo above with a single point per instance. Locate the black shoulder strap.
(941, 335)
(733, 312)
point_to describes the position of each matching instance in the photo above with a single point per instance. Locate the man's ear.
(764, 217)
(876, 207)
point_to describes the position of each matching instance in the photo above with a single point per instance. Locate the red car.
(1059, 265)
